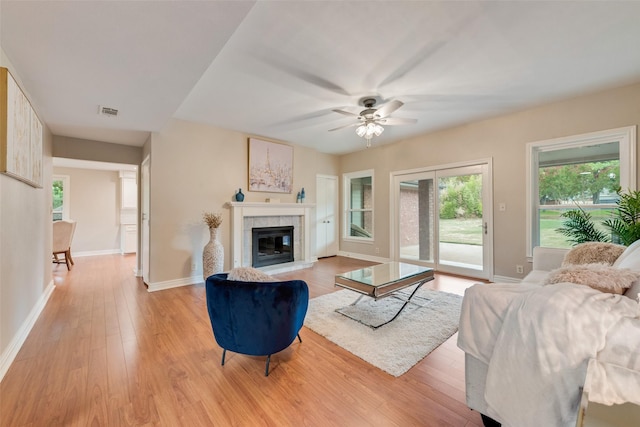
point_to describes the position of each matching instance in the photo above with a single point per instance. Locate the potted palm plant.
(623, 225)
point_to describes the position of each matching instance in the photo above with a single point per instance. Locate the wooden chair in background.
(62, 237)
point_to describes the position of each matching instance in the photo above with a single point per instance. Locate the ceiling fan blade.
(388, 108)
(278, 60)
(392, 121)
(346, 113)
(345, 126)
(414, 60)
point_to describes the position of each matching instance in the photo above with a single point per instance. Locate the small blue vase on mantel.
(239, 195)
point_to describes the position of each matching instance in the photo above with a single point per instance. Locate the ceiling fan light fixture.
(371, 129)
(371, 119)
(368, 130)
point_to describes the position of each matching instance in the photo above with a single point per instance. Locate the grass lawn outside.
(468, 231)
(461, 230)
(550, 220)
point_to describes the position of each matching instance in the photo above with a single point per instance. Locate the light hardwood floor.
(105, 352)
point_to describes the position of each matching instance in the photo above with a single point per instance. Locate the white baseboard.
(506, 279)
(95, 253)
(10, 353)
(363, 257)
(176, 283)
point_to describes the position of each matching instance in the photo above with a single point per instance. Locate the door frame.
(487, 211)
(144, 203)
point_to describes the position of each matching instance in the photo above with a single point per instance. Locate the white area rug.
(394, 347)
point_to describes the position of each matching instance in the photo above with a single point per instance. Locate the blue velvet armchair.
(256, 318)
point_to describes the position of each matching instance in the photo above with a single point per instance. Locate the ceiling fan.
(370, 120)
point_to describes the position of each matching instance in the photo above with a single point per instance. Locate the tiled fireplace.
(245, 216)
(272, 245)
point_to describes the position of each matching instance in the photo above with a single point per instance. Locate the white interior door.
(326, 209)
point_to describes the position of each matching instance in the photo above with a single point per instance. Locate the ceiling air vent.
(108, 111)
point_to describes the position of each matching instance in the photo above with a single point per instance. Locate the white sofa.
(488, 310)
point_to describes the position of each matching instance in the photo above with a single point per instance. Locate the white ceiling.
(276, 69)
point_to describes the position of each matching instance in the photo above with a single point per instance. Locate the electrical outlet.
(377, 250)
(519, 269)
(194, 266)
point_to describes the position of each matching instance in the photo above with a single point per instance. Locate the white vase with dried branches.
(213, 252)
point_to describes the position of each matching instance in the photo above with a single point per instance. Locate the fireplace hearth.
(271, 245)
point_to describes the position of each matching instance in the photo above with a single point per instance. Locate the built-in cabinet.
(129, 239)
(128, 212)
(326, 216)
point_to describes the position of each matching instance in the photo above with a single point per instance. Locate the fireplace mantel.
(241, 210)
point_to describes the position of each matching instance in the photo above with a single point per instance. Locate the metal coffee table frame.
(385, 289)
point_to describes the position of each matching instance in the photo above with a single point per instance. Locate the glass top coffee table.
(383, 280)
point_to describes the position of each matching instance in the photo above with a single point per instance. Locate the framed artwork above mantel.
(20, 134)
(270, 166)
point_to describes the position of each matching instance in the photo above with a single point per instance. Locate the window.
(578, 171)
(60, 193)
(358, 192)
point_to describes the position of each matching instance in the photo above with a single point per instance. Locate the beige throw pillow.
(249, 274)
(602, 277)
(593, 252)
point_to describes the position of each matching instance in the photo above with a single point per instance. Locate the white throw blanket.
(538, 344)
(611, 384)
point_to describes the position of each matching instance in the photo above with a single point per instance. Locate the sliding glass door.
(462, 226)
(442, 220)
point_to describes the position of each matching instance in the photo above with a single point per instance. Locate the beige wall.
(504, 139)
(25, 246)
(197, 168)
(94, 202)
(86, 149)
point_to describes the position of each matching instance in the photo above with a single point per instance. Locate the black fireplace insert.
(271, 245)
